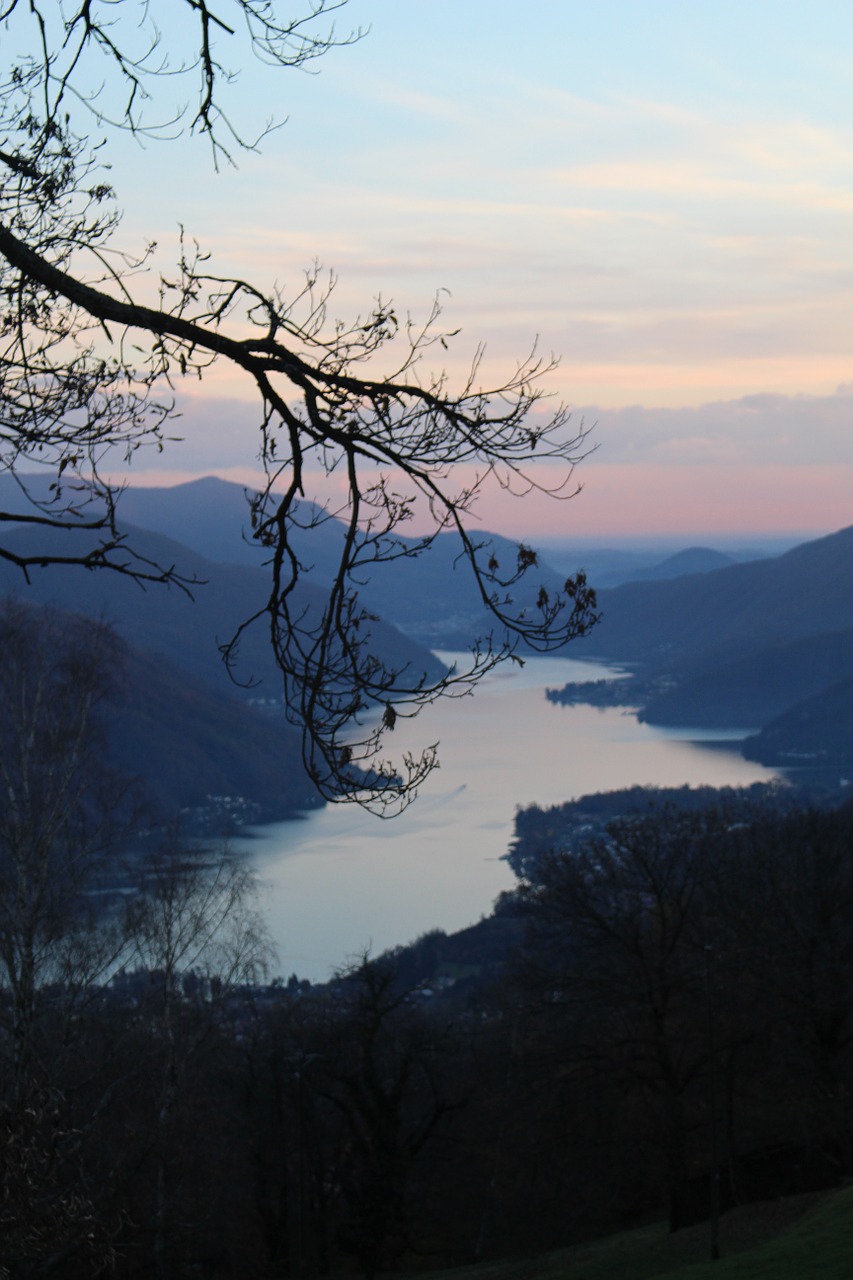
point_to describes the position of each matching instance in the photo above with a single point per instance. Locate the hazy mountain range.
(683, 563)
(757, 645)
(431, 598)
(715, 643)
(182, 723)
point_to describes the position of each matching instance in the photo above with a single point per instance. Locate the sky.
(661, 192)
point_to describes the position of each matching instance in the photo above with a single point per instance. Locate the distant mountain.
(755, 688)
(768, 643)
(186, 628)
(209, 515)
(212, 517)
(727, 613)
(612, 566)
(432, 597)
(816, 732)
(192, 748)
(604, 566)
(691, 560)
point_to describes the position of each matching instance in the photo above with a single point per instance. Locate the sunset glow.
(661, 194)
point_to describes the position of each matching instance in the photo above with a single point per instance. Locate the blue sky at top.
(663, 192)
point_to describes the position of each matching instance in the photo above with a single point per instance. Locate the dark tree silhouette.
(195, 929)
(618, 941)
(383, 1076)
(59, 824)
(89, 365)
(58, 830)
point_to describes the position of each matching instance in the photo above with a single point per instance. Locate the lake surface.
(340, 880)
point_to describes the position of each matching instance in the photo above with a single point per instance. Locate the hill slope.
(755, 688)
(186, 629)
(177, 740)
(683, 563)
(798, 1238)
(431, 597)
(738, 647)
(186, 743)
(668, 625)
(817, 731)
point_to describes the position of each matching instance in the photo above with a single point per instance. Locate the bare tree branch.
(89, 367)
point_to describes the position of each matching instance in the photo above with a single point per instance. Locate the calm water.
(340, 880)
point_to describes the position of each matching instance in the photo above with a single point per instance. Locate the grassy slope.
(800, 1238)
(818, 1247)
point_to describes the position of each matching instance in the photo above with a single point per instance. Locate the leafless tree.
(88, 365)
(64, 932)
(383, 1076)
(58, 822)
(619, 944)
(58, 828)
(195, 929)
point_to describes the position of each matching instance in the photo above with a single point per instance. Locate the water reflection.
(341, 880)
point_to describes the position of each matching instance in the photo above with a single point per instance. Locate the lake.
(340, 880)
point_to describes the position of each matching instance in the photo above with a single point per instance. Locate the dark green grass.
(798, 1238)
(817, 1247)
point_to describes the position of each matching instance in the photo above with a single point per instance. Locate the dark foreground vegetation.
(808, 1237)
(657, 1022)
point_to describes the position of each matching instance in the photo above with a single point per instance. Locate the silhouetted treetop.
(95, 344)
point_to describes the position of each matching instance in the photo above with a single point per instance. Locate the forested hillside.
(808, 591)
(816, 730)
(430, 596)
(187, 626)
(739, 647)
(203, 753)
(656, 1024)
(754, 688)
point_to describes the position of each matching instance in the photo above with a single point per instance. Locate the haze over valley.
(704, 644)
(426, 619)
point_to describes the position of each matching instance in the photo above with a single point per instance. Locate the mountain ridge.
(806, 591)
(742, 646)
(430, 596)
